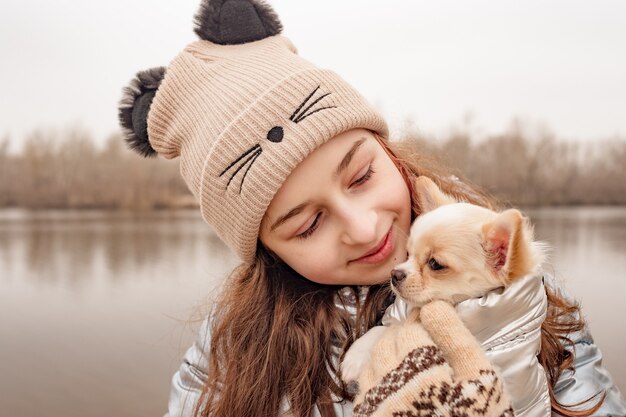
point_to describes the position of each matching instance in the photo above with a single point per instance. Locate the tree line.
(527, 167)
(68, 170)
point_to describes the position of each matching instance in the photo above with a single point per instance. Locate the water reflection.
(586, 242)
(121, 287)
(605, 226)
(96, 308)
(68, 247)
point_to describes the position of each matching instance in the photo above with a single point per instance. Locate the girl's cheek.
(323, 268)
(315, 274)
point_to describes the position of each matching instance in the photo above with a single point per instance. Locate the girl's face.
(343, 215)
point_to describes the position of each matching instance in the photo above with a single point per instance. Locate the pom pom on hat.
(233, 22)
(134, 107)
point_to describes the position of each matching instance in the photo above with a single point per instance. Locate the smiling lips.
(380, 251)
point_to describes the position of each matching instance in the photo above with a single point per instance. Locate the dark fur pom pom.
(232, 22)
(134, 107)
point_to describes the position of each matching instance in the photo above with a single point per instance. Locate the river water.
(97, 308)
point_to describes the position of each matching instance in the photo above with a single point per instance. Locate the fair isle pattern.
(469, 398)
(464, 384)
(416, 362)
(481, 397)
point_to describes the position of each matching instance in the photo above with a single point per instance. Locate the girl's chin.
(372, 281)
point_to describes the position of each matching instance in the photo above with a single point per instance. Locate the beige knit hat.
(241, 109)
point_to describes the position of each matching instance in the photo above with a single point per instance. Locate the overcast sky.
(558, 63)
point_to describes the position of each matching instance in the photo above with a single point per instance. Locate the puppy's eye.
(434, 265)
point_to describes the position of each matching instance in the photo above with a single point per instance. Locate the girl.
(294, 171)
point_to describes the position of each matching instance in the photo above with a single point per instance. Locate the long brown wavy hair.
(276, 337)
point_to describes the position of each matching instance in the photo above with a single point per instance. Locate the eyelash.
(365, 177)
(359, 181)
(310, 230)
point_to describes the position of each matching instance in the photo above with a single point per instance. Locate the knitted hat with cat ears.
(241, 109)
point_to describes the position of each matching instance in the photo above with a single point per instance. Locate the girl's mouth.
(380, 251)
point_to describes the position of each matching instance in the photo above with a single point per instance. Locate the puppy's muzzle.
(397, 276)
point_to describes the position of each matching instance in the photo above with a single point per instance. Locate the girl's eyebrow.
(293, 212)
(340, 168)
(348, 157)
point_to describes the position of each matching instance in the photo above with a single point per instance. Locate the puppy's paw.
(359, 354)
(353, 364)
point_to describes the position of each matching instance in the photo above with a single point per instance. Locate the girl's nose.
(359, 227)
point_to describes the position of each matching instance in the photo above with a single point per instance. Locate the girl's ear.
(507, 245)
(429, 195)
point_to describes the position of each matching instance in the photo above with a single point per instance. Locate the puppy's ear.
(507, 243)
(429, 195)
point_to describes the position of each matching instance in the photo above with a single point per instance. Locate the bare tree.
(523, 166)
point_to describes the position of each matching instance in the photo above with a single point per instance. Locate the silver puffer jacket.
(507, 324)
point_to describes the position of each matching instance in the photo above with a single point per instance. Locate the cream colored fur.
(456, 251)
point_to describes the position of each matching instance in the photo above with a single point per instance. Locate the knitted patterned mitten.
(446, 373)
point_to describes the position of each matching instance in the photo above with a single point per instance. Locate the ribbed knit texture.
(432, 368)
(217, 103)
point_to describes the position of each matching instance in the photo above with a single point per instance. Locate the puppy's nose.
(397, 276)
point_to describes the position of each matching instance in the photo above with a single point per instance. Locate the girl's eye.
(362, 180)
(365, 177)
(311, 229)
(434, 265)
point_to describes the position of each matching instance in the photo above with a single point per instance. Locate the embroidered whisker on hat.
(241, 109)
(248, 156)
(298, 115)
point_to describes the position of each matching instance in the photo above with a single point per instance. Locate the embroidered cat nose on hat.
(241, 108)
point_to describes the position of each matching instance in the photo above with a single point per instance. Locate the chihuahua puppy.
(456, 251)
